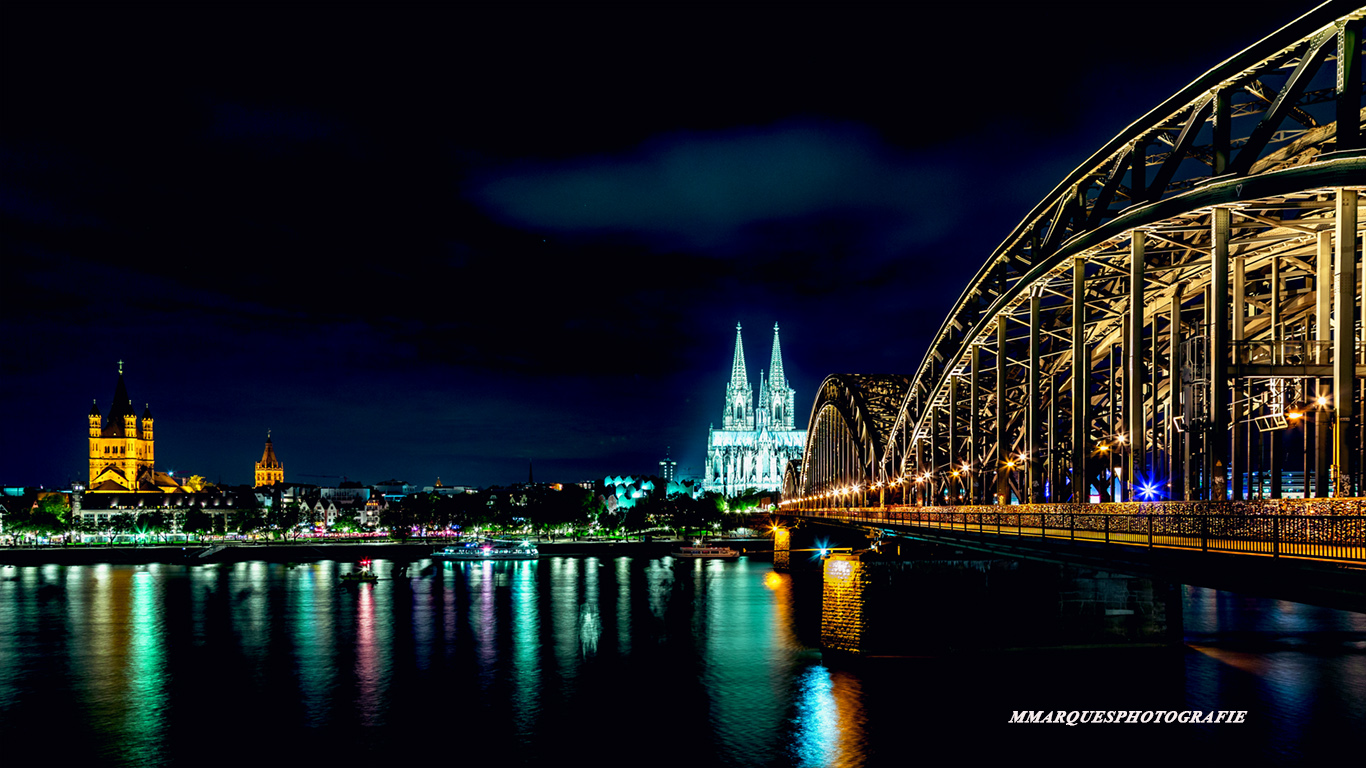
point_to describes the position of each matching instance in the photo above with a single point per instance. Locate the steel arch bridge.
(1180, 317)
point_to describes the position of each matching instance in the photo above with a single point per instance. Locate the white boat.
(489, 550)
(716, 553)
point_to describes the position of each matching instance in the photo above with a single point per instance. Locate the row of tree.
(539, 510)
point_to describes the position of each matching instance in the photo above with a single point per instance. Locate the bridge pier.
(782, 549)
(939, 600)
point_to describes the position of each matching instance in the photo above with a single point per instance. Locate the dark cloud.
(724, 192)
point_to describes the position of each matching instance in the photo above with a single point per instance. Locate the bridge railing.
(1250, 528)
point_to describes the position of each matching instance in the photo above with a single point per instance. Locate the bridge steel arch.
(1163, 323)
(841, 463)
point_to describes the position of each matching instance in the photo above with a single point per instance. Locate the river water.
(631, 661)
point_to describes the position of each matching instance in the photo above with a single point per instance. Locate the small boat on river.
(365, 574)
(489, 550)
(713, 553)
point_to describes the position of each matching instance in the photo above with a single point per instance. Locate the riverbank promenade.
(308, 551)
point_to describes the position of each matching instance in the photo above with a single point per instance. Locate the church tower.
(781, 398)
(739, 399)
(122, 452)
(269, 470)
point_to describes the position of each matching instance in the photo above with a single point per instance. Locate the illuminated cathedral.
(754, 444)
(122, 454)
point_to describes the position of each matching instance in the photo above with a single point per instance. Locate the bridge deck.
(1324, 538)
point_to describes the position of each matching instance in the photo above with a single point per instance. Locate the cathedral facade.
(754, 443)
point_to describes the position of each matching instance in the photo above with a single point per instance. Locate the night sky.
(417, 243)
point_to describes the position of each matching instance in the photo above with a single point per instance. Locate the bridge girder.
(1119, 270)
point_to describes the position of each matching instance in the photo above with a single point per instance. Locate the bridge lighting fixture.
(1148, 491)
(1322, 401)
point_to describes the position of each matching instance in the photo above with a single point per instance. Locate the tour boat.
(715, 553)
(489, 550)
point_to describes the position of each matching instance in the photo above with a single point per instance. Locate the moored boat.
(489, 550)
(715, 553)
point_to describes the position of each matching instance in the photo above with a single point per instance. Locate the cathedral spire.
(739, 400)
(776, 377)
(738, 377)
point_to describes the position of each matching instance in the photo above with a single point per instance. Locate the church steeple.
(738, 377)
(739, 400)
(776, 377)
(781, 399)
(269, 470)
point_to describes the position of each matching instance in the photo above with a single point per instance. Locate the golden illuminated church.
(122, 450)
(269, 470)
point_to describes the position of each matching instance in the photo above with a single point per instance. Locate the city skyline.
(414, 252)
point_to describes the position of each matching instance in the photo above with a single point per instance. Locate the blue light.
(1149, 491)
(822, 548)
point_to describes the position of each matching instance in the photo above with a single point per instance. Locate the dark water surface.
(586, 661)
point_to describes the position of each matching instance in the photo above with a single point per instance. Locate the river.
(631, 661)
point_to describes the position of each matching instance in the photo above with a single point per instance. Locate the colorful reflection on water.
(625, 660)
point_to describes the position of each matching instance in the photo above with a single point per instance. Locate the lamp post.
(1109, 470)
(1336, 480)
(1119, 440)
(1010, 478)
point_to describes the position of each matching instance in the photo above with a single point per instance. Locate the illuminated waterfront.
(624, 660)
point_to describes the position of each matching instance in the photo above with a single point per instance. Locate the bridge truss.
(1179, 318)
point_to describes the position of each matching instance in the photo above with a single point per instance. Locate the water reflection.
(526, 666)
(829, 726)
(145, 697)
(1276, 656)
(623, 576)
(483, 618)
(423, 624)
(142, 662)
(564, 613)
(590, 621)
(659, 581)
(367, 657)
(313, 631)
